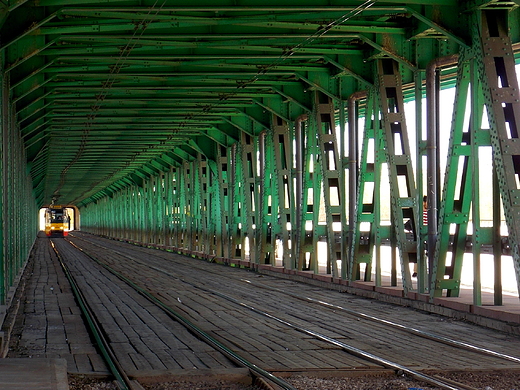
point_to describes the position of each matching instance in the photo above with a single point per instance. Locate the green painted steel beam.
(315, 85)
(20, 61)
(160, 164)
(294, 95)
(165, 77)
(171, 159)
(40, 111)
(32, 90)
(31, 29)
(185, 155)
(219, 137)
(273, 110)
(344, 72)
(256, 5)
(146, 46)
(247, 124)
(32, 105)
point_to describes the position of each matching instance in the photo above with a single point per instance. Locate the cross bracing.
(265, 130)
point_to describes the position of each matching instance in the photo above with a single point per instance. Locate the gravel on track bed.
(495, 380)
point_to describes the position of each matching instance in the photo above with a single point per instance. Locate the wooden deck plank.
(144, 341)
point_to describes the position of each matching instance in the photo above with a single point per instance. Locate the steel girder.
(115, 86)
(168, 110)
(18, 202)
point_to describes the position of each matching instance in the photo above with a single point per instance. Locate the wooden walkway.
(33, 374)
(50, 323)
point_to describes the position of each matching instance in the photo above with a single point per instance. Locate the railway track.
(262, 378)
(183, 274)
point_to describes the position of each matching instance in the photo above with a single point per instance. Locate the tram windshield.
(58, 217)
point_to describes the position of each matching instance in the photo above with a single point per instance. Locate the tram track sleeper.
(255, 370)
(420, 376)
(124, 383)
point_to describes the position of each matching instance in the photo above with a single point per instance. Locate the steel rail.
(417, 332)
(350, 349)
(195, 329)
(436, 381)
(123, 382)
(357, 314)
(405, 328)
(448, 385)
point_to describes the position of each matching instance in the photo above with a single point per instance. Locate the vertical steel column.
(184, 212)
(124, 210)
(342, 175)
(142, 212)
(134, 212)
(123, 194)
(149, 208)
(177, 207)
(502, 97)
(330, 165)
(109, 212)
(237, 213)
(159, 209)
(172, 207)
(402, 181)
(102, 216)
(223, 245)
(312, 230)
(433, 107)
(147, 211)
(421, 151)
(251, 195)
(116, 210)
(16, 167)
(204, 232)
(153, 203)
(283, 153)
(481, 235)
(213, 211)
(299, 152)
(115, 203)
(193, 181)
(3, 184)
(162, 209)
(6, 188)
(169, 189)
(366, 221)
(269, 198)
(455, 207)
(353, 168)
(497, 241)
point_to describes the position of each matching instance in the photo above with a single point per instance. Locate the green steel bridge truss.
(275, 133)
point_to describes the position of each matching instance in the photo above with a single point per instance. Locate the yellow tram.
(56, 221)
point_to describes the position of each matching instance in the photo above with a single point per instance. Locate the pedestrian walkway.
(48, 339)
(33, 374)
(51, 323)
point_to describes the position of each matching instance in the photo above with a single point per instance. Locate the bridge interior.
(297, 136)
